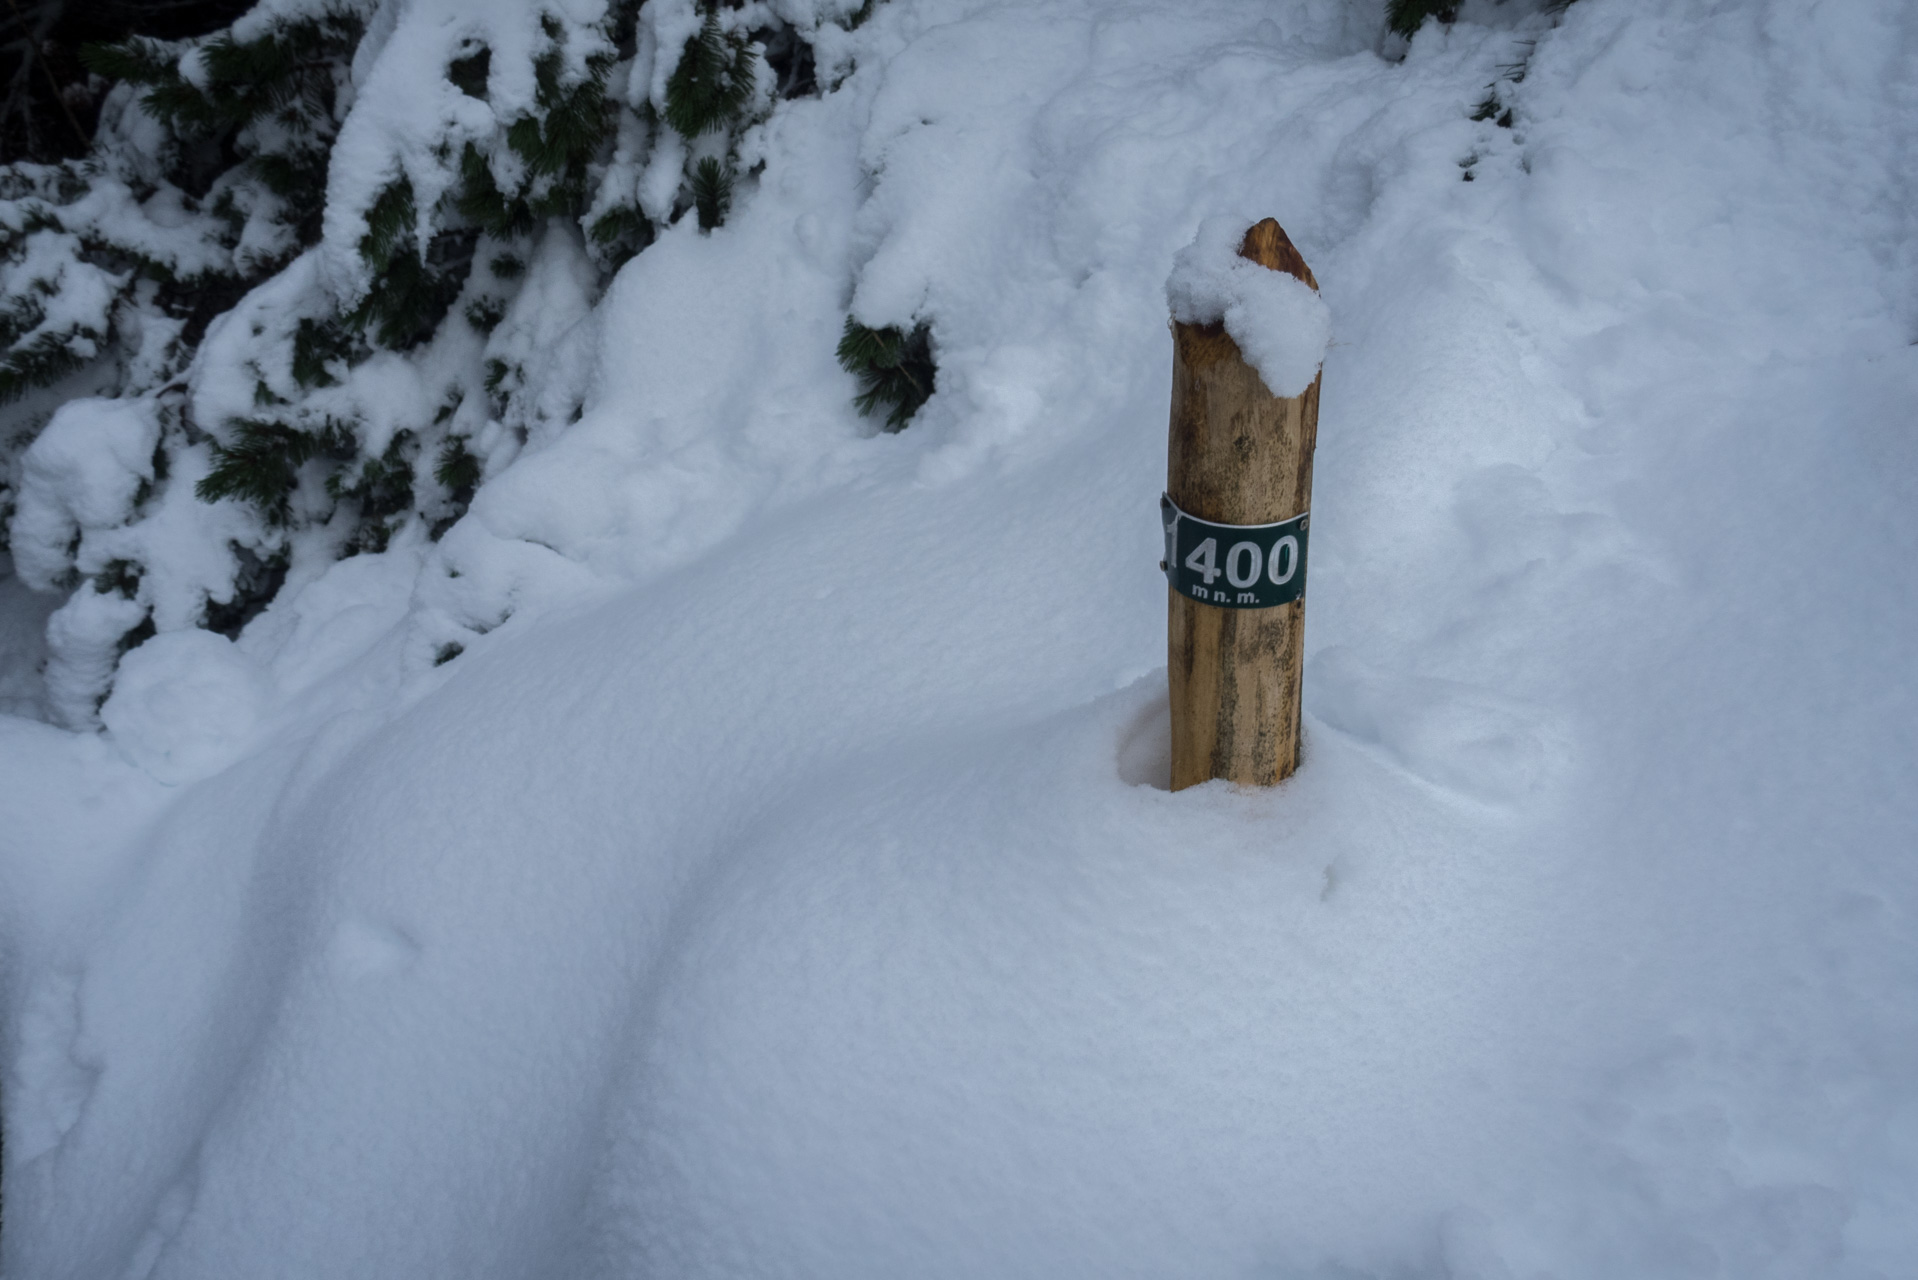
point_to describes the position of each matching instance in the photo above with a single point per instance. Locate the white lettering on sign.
(1243, 552)
(1289, 546)
(1204, 560)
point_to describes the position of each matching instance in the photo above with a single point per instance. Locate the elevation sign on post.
(1234, 566)
(1248, 335)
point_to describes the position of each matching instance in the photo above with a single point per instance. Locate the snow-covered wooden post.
(1246, 347)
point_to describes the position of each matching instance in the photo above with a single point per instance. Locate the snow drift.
(781, 882)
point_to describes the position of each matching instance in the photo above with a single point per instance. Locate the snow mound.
(185, 704)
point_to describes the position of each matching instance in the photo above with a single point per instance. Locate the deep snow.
(781, 883)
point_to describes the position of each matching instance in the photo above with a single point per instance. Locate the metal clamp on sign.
(1234, 566)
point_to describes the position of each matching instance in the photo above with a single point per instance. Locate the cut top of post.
(1267, 244)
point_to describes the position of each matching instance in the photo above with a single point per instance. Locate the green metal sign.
(1234, 566)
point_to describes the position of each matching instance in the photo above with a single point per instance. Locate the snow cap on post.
(1256, 284)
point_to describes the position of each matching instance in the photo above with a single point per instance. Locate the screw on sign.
(1236, 516)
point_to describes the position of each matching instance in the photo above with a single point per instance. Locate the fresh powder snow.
(781, 881)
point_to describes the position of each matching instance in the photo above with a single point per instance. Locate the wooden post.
(1238, 456)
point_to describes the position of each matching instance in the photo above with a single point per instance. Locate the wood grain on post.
(1238, 455)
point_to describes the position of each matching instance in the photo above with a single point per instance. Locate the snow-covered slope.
(783, 885)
